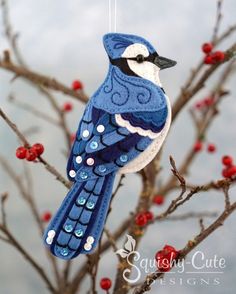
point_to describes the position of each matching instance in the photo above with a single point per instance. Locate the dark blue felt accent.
(153, 121)
(97, 114)
(114, 151)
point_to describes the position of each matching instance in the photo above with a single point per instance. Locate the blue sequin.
(79, 233)
(81, 201)
(93, 145)
(123, 158)
(83, 175)
(64, 252)
(90, 204)
(68, 228)
(102, 168)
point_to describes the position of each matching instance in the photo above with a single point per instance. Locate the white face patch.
(146, 69)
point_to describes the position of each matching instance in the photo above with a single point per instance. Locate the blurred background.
(63, 39)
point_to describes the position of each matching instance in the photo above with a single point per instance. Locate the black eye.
(140, 58)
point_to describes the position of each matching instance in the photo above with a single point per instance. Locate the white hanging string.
(112, 26)
(115, 16)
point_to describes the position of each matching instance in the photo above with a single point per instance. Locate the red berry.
(208, 59)
(77, 85)
(225, 173)
(208, 101)
(38, 148)
(227, 160)
(197, 146)
(149, 215)
(207, 47)
(231, 171)
(105, 283)
(199, 104)
(211, 148)
(67, 107)
(21, 152)
(218, 56)
(46, 216)
(141, 219)
(158, 199)
(72, 137)
(165, 257)
(31, 155)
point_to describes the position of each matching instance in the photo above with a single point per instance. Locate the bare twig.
(218, 20)
(12, 240)
(42, 80)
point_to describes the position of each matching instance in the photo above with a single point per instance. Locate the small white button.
(78, 159)
(49, 240)
(85, 133)
(100, 128)
(51, 233)
(72, 173)
(90, 240)
(90, 161)
(87, 246)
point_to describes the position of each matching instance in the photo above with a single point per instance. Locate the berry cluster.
(105, 284)
(143, 218)
(165, 257)
(204, 104)
(31, 153)
(212, 57)
(229, 169)
(198, 146)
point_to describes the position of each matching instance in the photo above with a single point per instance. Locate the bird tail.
(77, 226)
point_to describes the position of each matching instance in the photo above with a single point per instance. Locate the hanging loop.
(112, 15)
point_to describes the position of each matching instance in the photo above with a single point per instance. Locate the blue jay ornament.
(122, 129)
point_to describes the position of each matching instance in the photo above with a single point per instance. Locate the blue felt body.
(137, 100)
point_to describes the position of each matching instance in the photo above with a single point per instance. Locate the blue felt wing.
(102, 146)
(153, 121)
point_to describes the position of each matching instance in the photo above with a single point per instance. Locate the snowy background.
(63, 39)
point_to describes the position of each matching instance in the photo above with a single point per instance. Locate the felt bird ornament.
(122, 129)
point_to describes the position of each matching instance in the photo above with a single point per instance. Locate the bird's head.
(135, 56)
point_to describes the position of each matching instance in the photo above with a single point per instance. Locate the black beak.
(163, 62)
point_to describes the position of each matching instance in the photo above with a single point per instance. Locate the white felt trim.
(125, 123)
(148, 155)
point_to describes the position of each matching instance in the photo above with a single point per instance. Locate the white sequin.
(90, 161)
(78, 159)
(85, 133)
(72, 173)
(100, 128)
(90, 240)
(87, 246)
